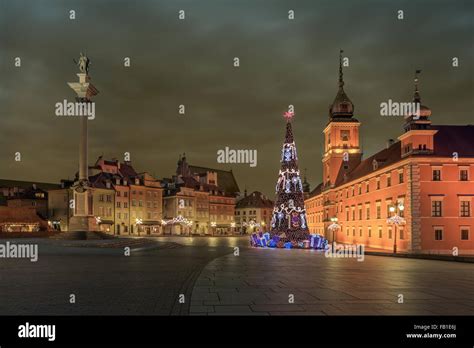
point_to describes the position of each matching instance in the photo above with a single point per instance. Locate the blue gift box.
(254, 240)
(266, 235)
(312, 241)
(288, 245)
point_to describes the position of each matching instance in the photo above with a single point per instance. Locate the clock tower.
(342, 151)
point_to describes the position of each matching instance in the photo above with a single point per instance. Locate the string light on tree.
(289, 224)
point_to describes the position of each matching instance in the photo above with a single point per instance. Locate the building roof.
(19, 215)
(447, 140)
(31, 193)
(127, 170)
(28, 184)
(316, 191)
(225, 179)
(384, 158)
(450, 139)
(255, 200)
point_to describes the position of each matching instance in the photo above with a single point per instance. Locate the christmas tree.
(289, 223)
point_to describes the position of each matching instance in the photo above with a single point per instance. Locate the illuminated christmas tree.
(289, 222)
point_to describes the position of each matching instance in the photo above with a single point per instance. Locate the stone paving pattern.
(258, 282)
(215, 282)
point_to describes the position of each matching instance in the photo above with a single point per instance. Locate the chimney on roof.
(245, 193)
(390, 142)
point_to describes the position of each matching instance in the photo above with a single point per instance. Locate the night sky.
(190, 62)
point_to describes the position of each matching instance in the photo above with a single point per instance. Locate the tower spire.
(416, 95)
(341, 74)
(342, 106)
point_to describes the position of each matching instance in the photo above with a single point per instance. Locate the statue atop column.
(83, 219)
(83, 63)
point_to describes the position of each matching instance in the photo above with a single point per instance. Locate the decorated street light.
(396, 220)
(333, 227)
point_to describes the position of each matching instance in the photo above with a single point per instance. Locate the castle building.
(414, 195)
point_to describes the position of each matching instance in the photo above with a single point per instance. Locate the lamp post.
(138, 222)
(333, 227)
(396, 220)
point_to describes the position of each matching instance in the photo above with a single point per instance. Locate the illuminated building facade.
(205, 197)
(123, 201)
(253, 213)
(426, 178)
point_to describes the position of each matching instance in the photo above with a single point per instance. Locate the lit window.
(438, 234)
(436, 208)
(465, 209)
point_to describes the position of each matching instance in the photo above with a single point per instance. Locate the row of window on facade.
(436, 210)
(250, 212)
(351, 192)
(464, 208)
(438, 232)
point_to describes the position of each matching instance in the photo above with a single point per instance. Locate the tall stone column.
(83, 220)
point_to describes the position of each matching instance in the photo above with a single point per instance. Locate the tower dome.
(421, 119)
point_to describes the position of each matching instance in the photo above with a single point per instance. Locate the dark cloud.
(190, 62)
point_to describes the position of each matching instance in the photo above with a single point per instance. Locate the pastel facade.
(204, 197)
(253, 213)
(123, 201)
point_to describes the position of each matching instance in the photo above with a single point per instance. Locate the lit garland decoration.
(251, 223)
(396, 220)
(289, 223)
(177, 220)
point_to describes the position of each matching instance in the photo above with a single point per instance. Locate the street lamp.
(213, 227)
(334, 226)
(138, 222)
(396, 220)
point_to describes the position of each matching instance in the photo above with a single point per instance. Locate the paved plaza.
(216, 282)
